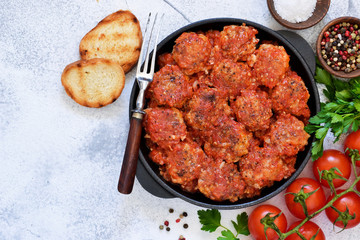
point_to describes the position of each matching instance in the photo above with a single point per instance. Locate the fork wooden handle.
(128, 169)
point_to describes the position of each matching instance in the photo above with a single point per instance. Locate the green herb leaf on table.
(241, 226)
(210, 219)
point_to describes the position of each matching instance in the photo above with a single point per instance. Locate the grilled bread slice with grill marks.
(93, 83)
(117, 37)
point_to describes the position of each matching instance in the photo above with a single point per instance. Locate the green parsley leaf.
(241, 226)
(322, 76)
(227, 235)
(210, 219)
(339, 115)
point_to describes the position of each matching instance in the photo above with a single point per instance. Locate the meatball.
(253, 109)
(164, 126)
(221, 181)
(272, 62)
(170, 87)
(238, 42)
(232, 77)
(290, 95)
(206, 109)
(182, 164)
(287, 135)
(262, 166)
(191, 52)
(229, 141)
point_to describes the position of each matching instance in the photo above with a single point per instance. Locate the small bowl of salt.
(298, 14)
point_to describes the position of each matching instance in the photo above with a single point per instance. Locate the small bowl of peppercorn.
(338, 47)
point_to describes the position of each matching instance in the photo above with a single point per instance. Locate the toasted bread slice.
(117, 37)
(93, 83)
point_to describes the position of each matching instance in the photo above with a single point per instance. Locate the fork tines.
(147, 41)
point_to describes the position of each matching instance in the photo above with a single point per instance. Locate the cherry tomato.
(350, 200)
(332, 158)
(313, 203)
(256, 228)
(308, 230)
(352, 141)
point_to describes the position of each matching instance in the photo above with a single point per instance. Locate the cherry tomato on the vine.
(352, 141)
(351, 201)
(313, 203)
(308, 230)
(256, 228)
(332, 158)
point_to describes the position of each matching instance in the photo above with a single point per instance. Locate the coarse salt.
(295, 11)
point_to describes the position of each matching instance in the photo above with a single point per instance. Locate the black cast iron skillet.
(297, 64)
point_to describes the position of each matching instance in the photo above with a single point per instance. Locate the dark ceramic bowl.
(297, 64)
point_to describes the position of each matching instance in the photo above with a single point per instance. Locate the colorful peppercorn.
(340, 47)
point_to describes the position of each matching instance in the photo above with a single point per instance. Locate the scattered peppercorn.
(340, 47)
(181, 237)
(167, 229)
(171, 210)
(166, 223)
(178, 220)
(161, 227)
(185, 214)
(185, 225)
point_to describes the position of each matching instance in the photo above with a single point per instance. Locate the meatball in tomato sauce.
(182, 164)
(271, 64)
(238, 42)
(191, 52)
(221, 181)
(253, 109)
(229, 141)
(206, 109)
(232, 77)
(164, 126)
(287, 135)
(262, 166)
(290, 95)
(170, 87)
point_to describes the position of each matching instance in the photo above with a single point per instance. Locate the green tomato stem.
(328, 204)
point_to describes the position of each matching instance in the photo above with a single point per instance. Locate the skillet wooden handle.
(128, 169)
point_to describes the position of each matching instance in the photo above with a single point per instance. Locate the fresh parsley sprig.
(339, 114)
(211, 220)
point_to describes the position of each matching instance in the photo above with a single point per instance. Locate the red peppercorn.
(351, 29)
(344, 57)
(337, 25)
(341, 53)
(166, 223)
(178, 220)
(326, 34)
(347, 33)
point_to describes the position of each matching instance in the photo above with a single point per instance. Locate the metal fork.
(143, 77)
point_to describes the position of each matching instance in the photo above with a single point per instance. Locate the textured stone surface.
(60, 161)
